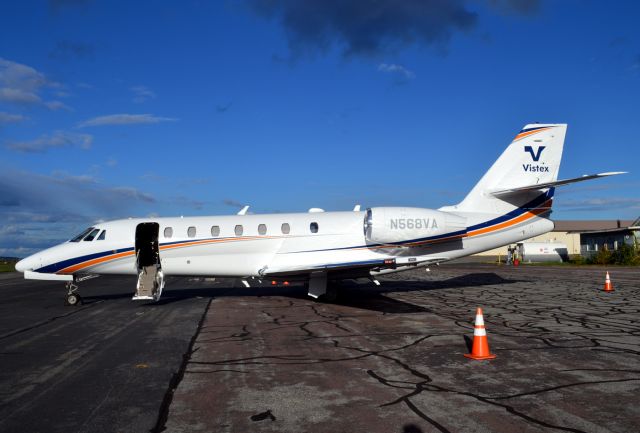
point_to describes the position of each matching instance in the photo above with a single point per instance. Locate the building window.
(285, 228)
(191, 232)
(215, 231)
(102, 235)
(168, 232)
(313, 227)
(262, 229)
(239, 230)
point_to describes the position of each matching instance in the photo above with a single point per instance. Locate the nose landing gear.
(72, 298)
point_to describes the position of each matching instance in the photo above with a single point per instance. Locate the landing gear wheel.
(73, 299)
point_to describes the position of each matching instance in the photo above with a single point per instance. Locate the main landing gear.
(73, 298)
(321, 289)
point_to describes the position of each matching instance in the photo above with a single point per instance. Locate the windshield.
(82, 235)
(92, 235)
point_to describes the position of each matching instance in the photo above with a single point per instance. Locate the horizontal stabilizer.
(546, 185)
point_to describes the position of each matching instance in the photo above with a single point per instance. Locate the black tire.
(73, 299)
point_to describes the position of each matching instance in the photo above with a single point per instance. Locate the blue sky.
(116, 109)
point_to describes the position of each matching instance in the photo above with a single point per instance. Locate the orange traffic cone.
(480, 349)
(608, 287)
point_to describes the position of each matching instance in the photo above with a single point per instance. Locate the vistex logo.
(534, 155)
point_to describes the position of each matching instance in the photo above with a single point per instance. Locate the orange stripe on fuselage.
(79, 266)
(215, 241)
(83, 265)
(525, 216)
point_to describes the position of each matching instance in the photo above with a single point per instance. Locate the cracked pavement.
(389, 359)
(213, 355)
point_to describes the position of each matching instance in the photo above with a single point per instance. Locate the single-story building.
(610, 239)
(570, 233)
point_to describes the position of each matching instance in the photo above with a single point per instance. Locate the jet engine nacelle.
(388, 225)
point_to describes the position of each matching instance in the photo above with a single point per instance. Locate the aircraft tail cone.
(480, 349)
(608, 287)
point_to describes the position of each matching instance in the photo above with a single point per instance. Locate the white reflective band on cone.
(479, 332)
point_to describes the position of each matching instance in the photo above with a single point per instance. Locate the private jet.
(510, 203)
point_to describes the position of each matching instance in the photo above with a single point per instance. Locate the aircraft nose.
(26, 264)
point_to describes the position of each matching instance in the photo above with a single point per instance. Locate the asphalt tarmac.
(104, 366)
(212, 357)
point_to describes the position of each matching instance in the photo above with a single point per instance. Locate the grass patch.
(7, 267)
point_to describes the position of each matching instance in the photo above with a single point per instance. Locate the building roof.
(590, 225)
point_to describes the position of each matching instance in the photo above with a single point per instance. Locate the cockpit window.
(102, 235)
(91, 236)
(82, 235)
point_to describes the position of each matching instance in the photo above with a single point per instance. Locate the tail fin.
(533, 157)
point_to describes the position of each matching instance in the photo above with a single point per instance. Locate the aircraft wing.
(362, 267)
(546, 185)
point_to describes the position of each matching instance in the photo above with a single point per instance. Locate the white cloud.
(132, 194)
(142, 93)
(22, 84)
(11, 118)
(45, 142)
(38, 211)
(392, 68)
(600, 204)
(17, 76)
(124, 119)
(57, 105)
(18, 96)
(64, 176)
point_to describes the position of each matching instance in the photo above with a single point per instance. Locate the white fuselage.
(257, 245)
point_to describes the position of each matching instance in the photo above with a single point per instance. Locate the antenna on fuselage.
(243, 211)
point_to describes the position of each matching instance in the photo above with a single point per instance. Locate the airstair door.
(150, 276)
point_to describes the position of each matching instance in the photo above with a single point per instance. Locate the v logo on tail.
(534, 155)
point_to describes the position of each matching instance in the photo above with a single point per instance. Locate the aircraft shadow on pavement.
(351, 293)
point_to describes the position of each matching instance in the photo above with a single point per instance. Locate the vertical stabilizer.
(533, 157)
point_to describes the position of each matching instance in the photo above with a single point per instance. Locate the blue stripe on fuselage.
(55, 267)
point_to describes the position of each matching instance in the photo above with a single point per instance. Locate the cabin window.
(191, 232)
(102, 235)
(313, 227)
(239, 230)
(285, 228)
(262, 229)
(82, 235)
(215, 231)
(91, 236)
(168, 232)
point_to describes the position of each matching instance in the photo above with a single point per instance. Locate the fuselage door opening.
(150, 275)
